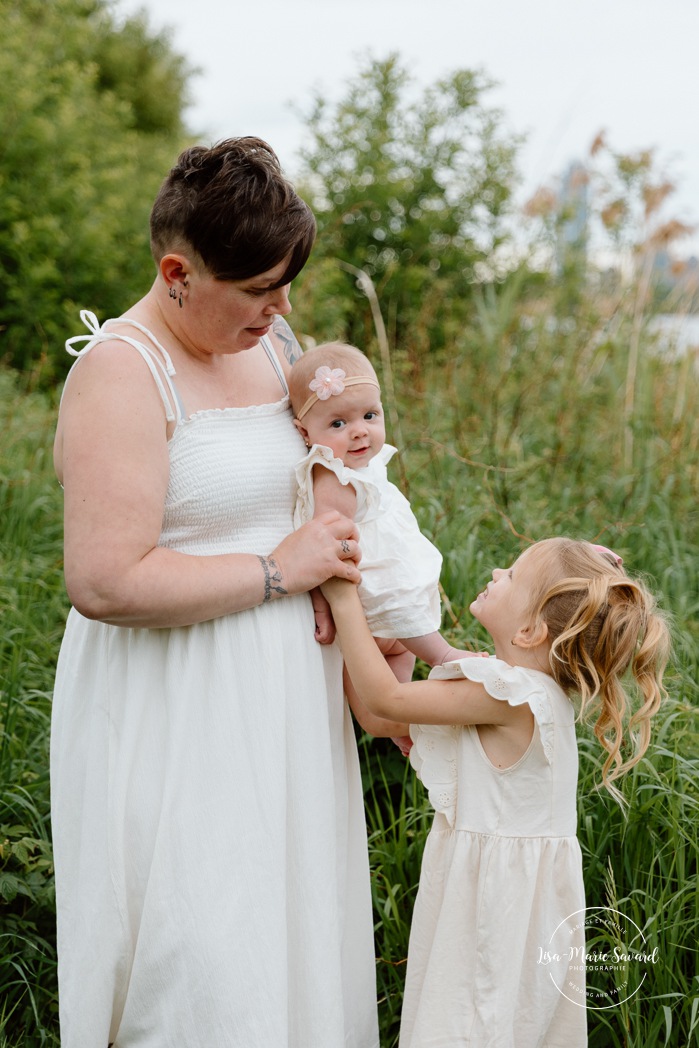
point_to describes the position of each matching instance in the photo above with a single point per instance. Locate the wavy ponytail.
(603, 625)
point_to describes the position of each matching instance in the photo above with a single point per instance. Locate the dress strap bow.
(158, 360)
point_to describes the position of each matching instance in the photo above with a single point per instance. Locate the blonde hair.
(602, 624)
(333, 355)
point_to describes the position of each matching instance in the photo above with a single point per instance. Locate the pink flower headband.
(330, 382)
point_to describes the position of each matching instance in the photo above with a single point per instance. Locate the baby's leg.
(401, 661)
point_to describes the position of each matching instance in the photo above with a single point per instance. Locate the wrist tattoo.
(273, 578)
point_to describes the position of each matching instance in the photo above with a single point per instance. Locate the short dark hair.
(232, 204)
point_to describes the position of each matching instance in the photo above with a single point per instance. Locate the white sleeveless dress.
(210, 846)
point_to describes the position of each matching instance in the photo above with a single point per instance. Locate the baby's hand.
(325, 627)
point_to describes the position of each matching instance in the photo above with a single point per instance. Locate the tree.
(410, 187)
(84, 148)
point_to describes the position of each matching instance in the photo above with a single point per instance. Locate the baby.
(336, 399)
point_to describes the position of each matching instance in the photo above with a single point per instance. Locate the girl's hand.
(324, 547)
(335, 589)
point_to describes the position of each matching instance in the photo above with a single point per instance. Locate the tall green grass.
(521, 431)
(33, 608)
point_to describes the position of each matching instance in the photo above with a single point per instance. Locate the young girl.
(494, 743)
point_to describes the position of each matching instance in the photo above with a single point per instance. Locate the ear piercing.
(173, 294)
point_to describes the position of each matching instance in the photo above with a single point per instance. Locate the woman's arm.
(416, 702)
(112, 457)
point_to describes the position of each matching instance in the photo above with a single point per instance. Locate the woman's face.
(228, 316)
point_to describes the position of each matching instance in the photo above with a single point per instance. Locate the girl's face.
(351, 424)
(503, 606)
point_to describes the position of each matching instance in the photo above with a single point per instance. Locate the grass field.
(524, 431)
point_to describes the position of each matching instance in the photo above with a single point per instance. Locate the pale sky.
(566, 70)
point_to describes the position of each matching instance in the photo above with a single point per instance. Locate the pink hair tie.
(610, 553)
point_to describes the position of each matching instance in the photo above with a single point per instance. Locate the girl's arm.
(402, 664)
(112, 456)
(416, 702)
(379, 727)
(329, 496)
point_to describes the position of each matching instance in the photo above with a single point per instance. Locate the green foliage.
(411, 187)
(33, 607)
(89, 122)
(143, 71)
(647, 866)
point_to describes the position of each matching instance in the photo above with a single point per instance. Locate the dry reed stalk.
(366, 285)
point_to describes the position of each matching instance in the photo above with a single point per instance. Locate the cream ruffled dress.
(502, 869)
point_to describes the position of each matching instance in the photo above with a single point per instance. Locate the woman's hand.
(326, 546)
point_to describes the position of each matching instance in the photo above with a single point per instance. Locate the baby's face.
(351, 424)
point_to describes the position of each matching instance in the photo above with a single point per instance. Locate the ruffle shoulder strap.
(366, 482)
(512, 684)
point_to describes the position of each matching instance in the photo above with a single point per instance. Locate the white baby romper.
(502, 869)
(400, 567)
(210, 845)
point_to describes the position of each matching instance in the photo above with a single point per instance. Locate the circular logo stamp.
(597, 957)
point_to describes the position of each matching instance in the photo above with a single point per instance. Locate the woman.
(211, 866)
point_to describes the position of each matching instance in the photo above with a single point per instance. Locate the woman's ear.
(531, 636)
(174, 268)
